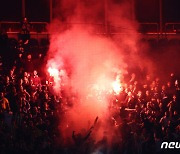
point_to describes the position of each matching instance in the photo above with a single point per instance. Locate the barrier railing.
(148, 27)
(39, 29)
(119, 28)
(7, 26)
(172, 27)
(142, 28)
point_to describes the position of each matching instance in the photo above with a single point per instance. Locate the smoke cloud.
(89, 60)
(92, 61)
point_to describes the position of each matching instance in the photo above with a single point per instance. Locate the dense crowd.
(149, 114)
(144, 114)
(28, 120)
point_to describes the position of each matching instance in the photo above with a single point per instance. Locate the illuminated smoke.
(94, 64)
(54, 73)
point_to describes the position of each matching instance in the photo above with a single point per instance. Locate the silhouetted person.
(25, 30)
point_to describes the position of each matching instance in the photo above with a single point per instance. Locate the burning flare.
(117, 88)
(53, 72)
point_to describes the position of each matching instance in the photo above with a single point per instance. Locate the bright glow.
(53, 72)
(117, 88)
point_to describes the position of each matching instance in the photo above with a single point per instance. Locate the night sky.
(38, 10)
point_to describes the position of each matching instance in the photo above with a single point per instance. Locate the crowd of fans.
(149, 114)
(143, 115)
(28, 120)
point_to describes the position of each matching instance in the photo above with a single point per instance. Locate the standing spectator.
(29, 64)
(13, 100)
(36, 79)
(4, 103)
(25, 30)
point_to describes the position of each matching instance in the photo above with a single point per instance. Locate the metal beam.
(106, 16)
(23, 9)
(160, 17)
(51, 10)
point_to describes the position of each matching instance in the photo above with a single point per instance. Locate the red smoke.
(93, 64)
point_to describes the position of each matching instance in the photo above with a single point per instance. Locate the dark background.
(38, 10)
(148, 10)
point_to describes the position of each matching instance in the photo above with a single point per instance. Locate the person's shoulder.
(5, 99)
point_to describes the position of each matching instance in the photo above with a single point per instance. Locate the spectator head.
(35, 73)
(133, 76)
(163, 87)
(176, 83)
(21, 49)
(40, 55)
(175, 113)
(156, 89)
(172, 74)
(1, 95)
(174, 97)
(31, 82)
(169, 84)
(7, 79)
(144, 86)
(11, 72)
(29, 57)
(147, 93)
(131, 87)
(20, 55)
(135, 83)
(25, 74)
(139, 94)
(148, 77)
(25, 20)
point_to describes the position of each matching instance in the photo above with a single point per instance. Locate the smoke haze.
(91, 59)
